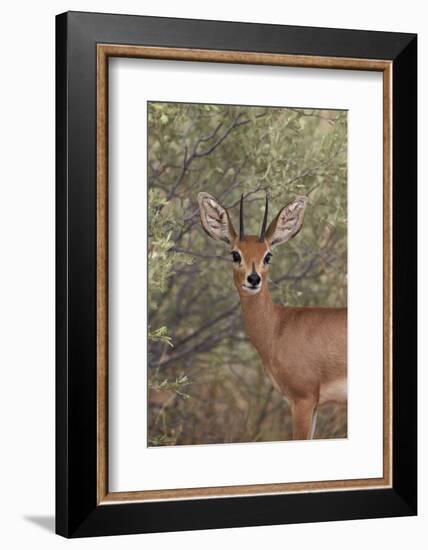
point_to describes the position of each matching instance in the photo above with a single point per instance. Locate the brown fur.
(303, 349)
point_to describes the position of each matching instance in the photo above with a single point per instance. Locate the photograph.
(247, 273)
(213, 258)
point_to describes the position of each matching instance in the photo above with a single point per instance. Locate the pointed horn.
(263, 230)
(241, 220)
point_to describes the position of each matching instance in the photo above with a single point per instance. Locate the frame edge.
(405, 274)
(61, 267)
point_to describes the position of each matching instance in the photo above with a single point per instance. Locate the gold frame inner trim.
(104, 51)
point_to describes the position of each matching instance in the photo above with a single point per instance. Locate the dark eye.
(267, 258)
(236, 257)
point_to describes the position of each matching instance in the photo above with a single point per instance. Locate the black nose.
(253, 279)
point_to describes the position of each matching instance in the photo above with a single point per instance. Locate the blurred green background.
(206, 382)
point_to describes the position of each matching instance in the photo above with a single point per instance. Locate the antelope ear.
(215, 219)
(288, 222)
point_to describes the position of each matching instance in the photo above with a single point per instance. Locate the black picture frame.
(77, 511)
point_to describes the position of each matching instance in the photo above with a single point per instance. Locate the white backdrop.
(27, 273)
(134, 466)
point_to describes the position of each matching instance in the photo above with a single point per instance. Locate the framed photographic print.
(236, 274)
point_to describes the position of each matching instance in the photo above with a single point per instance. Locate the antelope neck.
(258, 313)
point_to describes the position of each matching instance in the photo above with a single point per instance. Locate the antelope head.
(251, 253)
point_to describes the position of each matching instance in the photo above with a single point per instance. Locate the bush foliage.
(206, 382)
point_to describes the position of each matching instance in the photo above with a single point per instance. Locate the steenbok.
(303, 349)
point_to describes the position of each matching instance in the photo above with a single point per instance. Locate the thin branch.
(203, 346)
(187, 160)
(314, 114)
(198, 255)
(223, 315)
